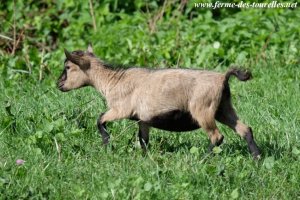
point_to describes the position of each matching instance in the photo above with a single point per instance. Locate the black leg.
(102, 130)
(143, 135)
(252, 145)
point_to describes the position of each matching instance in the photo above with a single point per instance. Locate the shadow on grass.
(266, 148)
(235, 147)
(166, 146)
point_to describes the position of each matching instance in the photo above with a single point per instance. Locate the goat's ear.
(81, 62)
(90, 48)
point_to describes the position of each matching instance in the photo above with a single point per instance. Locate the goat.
(169, 99)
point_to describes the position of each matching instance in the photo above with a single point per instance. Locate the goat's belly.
(174, 121)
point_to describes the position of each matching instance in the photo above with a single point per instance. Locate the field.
(55, 133)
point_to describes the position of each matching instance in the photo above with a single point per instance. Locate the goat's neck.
(104, 79)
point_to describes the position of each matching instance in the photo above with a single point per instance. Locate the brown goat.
(168, 99)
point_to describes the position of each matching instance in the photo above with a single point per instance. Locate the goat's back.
(158, 91)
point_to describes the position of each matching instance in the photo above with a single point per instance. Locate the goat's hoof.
(257, 156)
(210, 148)
(144, 153)
(220, 141)
(107, 146)
(105, 141)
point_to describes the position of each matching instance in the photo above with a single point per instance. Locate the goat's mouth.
(60, 86)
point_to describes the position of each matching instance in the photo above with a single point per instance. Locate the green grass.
(55, 133)
(177, 165)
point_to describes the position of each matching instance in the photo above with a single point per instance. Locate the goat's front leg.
(102, 129)
(143, 135)
(110, 115)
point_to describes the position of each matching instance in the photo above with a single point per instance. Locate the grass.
(56, 135)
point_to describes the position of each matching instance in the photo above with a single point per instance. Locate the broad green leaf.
(217, 150)
(147, 186)
(295, 151)
(194, 150)
(235, 193)
(269, 162)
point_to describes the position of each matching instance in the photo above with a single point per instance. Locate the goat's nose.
(60, 84)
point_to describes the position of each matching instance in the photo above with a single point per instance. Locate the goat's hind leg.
(206, 120)
(227, 116)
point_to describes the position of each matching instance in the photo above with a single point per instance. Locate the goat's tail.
(242, 75)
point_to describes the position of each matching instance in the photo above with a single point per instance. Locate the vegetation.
(55, 133)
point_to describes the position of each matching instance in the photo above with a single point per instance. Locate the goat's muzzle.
(60, 86)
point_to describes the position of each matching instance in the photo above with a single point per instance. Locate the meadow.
(55, 133)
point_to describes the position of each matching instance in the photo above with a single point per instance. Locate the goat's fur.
(169, 99)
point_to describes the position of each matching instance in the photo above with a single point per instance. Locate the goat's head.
(75, 70)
